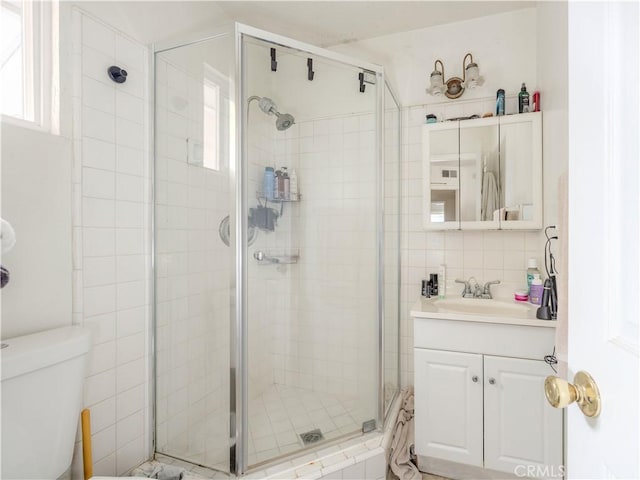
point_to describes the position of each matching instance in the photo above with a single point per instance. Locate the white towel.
(490, 199)
(403, 438)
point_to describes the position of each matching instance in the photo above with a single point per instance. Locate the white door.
(521, 430)
(448, 415)
(604, 207)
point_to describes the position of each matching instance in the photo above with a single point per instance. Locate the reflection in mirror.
(443, 174)
(516, 167)
(479, 173)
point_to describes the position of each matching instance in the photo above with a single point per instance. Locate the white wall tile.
(129, 107)
(99, 387)
(130, 134)
(130, 187)
(98, 154)
(112, 292)
(130, 53)
(97, 36)
(130, 160)
(129, 214)
(99, 300)
(98, 212)
(98, 183)
(129, 401)
(99, 271)
(98, 95)
(129, 241)
(99, 125)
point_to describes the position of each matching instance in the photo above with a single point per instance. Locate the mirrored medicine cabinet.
(483, 174)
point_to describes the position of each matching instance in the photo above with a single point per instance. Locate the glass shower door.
(312, 277)
(194, 259)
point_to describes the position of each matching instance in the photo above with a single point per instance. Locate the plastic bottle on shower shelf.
(286, 184)
(293, 185)
(277, 185)
(268, 183)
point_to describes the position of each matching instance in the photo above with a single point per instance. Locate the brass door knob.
(584, 392)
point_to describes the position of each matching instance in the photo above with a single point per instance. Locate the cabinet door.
(520, 427)
(448, 405)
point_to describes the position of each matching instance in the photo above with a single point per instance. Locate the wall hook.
(310, 72)
(274, 64)
(117, 74)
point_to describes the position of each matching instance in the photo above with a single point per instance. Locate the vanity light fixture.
(454, 87)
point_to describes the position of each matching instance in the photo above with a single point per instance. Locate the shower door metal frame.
(239, 348)
(238, 179)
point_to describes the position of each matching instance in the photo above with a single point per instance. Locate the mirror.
(479, 172)
(483, 173)
(520, 171)
(443, 188)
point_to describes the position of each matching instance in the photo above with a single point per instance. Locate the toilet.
(42, 378)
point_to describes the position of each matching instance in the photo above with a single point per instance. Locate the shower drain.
(312, 436)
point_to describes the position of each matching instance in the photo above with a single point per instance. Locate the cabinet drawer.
(521, 341)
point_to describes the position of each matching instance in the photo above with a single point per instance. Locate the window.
(29, 62)
(211, 125)
(215, 119)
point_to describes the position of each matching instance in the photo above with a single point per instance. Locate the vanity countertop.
(500, 311)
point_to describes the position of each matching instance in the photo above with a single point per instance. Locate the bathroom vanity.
(480, 408)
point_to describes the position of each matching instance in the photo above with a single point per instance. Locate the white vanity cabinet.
(480, 408)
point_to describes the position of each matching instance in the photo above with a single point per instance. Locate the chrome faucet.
(477, 291)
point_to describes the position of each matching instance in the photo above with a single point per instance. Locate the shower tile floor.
(281, 414)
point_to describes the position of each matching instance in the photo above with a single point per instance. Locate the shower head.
(268, 106)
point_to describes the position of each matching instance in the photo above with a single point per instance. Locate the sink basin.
(480, 306)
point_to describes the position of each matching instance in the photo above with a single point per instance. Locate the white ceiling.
(319, 23)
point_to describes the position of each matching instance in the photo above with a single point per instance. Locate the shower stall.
(277, 222)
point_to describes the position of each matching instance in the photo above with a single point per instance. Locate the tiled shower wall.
(327, 344)
(490, 255)
(111, 234)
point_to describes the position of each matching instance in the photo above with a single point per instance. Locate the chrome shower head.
(284, 121)
(268, 106)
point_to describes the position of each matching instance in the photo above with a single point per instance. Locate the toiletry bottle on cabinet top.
(523, 100)
(500, 102)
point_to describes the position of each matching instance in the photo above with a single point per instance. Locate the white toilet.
(42, 378)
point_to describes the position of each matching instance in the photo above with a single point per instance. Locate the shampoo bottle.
(537, 290)
(442, 281)
(293, 185)
(532, 269)
(286, 184)
(523, 99)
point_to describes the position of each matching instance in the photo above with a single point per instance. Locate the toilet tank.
(42, 378)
